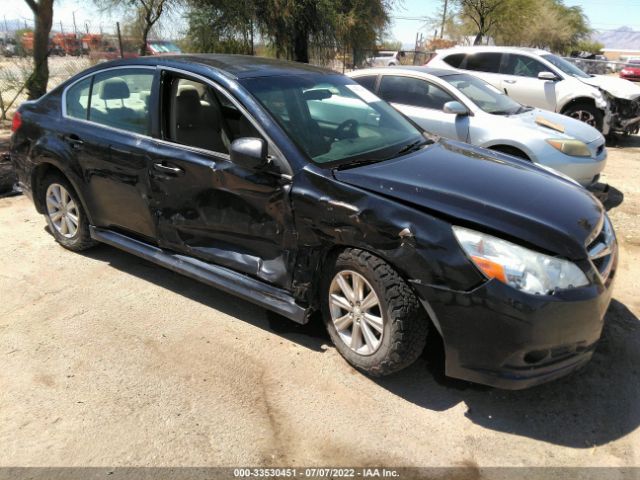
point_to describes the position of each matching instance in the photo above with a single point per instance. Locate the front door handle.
(510, 81)
(168, 169)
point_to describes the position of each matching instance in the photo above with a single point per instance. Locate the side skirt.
(243, 286)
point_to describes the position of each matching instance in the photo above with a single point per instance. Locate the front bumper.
(584, 170)
(499, 336)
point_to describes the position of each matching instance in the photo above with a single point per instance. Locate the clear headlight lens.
(519, 267)
(572, 147)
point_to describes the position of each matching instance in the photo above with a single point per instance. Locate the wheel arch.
(578, 100)
(40, 172)
(513, 149)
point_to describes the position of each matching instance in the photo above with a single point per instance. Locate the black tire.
(81, 240)
(405, 325)
(582, 110)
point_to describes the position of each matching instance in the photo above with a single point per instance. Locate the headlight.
(574, 148)
(519, 267)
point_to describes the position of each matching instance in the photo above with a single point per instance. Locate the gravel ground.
(110, 361)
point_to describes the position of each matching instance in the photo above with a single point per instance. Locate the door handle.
(168, 169)
(73, 140)
(510, 81)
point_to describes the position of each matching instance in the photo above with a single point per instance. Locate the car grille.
(601, 249)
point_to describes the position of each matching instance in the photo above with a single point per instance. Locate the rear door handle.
(510, 81)
(73, 140)
(167, 169)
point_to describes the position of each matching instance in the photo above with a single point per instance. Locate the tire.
(509, 150)
(403, 331)
(60, 218)
(586, 113)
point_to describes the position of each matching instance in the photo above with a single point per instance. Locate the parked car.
(385, 58)
(463, 107)
(541, 79)
(297, 189)
(162, 47)
(631, 71)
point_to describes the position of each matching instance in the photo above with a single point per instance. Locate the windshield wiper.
(412, 146)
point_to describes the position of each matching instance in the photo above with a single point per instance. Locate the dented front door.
(209, 208)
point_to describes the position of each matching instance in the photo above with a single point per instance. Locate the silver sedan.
(463, 107)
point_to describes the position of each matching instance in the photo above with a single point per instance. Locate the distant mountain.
(623, 38)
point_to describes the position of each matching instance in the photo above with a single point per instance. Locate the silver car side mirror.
(547, 76)
(456, 108)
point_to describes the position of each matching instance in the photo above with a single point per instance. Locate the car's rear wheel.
(65, 215)
(372, 315)
(586, 113)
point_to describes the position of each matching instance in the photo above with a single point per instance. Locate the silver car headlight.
(518, 267)
(571, 147)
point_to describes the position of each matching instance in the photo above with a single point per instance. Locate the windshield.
(567, 67)
(333, 119)
(165, 47)
(485, 96)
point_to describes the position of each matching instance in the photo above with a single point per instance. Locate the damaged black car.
(297, 189)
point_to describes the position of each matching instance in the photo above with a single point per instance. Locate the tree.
(483, 13)
(43, 16)
(148, 13)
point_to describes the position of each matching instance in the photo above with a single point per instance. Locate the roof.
(235, 66)
(436, 72)
(484, 48)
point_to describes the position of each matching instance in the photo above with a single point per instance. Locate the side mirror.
(547, 76)
(248, 152)
(456, 108)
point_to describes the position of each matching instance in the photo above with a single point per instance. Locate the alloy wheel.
(62, 210)
(584, 116)
(356, 312)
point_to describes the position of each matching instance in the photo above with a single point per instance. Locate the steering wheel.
(347, 129)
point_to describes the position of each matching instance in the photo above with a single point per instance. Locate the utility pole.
(75, 29)
(119, 39)
(444, 17)
(6, 28)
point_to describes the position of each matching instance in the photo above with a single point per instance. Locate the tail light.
(16, 121)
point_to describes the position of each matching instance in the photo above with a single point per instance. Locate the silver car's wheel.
(355, 312)
(62, 210)
(585, 117)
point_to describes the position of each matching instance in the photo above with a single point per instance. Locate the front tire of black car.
(64, 213)
(585, 113)
(380, 336)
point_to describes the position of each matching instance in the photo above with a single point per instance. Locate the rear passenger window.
(412, 91)
(199, 116)
(483, 62)
(367, 81)
(77, 99)
(120, 99)
(454, 60)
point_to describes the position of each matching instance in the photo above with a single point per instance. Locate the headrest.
(188, 102)
(115, 89)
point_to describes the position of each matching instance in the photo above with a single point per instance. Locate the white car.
(385, 58)
(462, 107)
(540, 79)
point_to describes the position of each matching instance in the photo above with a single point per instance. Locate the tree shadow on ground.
(591, 407)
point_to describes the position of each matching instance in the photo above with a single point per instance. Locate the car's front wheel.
(586, 113)
(65, 215)
(372, 315)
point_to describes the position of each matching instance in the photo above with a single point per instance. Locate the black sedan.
(297, 189)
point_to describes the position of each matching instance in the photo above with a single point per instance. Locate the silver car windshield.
(334, 120)
(485, 96)
(567, 67)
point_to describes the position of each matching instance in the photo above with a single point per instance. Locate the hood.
(568, 126)
(616, 86)
(487, 191)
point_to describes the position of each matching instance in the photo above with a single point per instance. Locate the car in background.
(463, 107)
(385, 58)
(541, 79)
(296, 188)
(631, 71)
(162, 47)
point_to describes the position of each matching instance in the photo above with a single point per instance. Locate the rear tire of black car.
(586, 113)
(77, 239)
(404, 326)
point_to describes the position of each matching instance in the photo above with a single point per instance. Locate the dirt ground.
(108, 360)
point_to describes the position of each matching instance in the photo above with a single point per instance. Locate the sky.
(603, 15)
